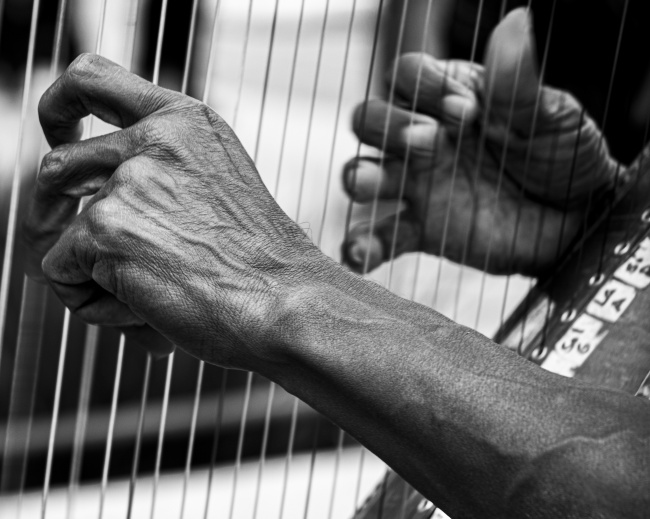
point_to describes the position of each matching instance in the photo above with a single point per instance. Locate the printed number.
(636, 270)
(575, 346)
(611, 301)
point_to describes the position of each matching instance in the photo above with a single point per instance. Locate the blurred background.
(286, 76)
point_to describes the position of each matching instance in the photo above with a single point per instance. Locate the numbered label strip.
(609, 304)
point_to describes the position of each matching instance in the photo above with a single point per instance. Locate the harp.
(91, 427)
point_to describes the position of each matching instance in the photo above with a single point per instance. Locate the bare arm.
(478, 430)
(182, 239)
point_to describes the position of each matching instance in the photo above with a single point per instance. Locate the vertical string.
(387, 120)
(132, 23)
(111, 426)
(82, 416)
(265, 439)
(30, 322)
(366, 97)
(138, 435)
(330, 167)
(5, 279)
(89, 346)
(407, 154)
(292, 78)
(267, 418)
(461, 133)
(161, 433)
(215, 441)
(242, 66)
(201, 367)
(249, 377)
(502, 167)
(348, 219)
(312, 107)
(339, 102)
(170, 359)
(289, 455)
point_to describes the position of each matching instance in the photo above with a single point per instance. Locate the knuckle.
(105, 217)
(86, 66)
(51, 171)
(122, 176)
(215, 121)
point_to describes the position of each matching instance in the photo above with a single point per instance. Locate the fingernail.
(365, 253)
(420, 138)
(458, 108)
(362, 179)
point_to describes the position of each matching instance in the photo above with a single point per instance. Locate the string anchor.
(569, 315)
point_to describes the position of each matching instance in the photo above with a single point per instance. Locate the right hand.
(180, 237)
(496, 170)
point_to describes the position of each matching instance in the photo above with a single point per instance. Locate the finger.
(511, 75)
(68, 267)
(366, 179)
(95, 85)
(442, 89)
(393, 130)
(368, 246)
(68, 173)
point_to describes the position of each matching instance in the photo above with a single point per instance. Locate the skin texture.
(181, 239)
(495, 169)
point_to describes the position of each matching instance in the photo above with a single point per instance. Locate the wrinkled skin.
(181, 239)
(176, 205)
(496, 170)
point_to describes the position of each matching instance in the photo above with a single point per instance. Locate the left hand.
(496, 170)
(180, 236)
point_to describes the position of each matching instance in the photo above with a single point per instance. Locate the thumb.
(511, 72)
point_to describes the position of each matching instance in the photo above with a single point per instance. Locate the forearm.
(462, 419)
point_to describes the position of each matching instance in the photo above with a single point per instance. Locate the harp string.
(610, 200)
(527, 160)
(30, 333)
(292, 77)
(366, 97)
(289, 455)
(601, 142)
(82, 417)
(294, 415)
(265, 439)
(138, 435)
(461, 133)
(387, 121)
(502, 167)
(267, 418)
(337, 117)
(7, 261)
(215, 441)
(244, 57)
(89, 346)
(23, 389)
(312, 107)
(170, 359)
(249, 377)
(111, 426)
(201, 364)
(407, 156)
(161, 433)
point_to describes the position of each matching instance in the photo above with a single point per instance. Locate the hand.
(180, 236)
(496, 170)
